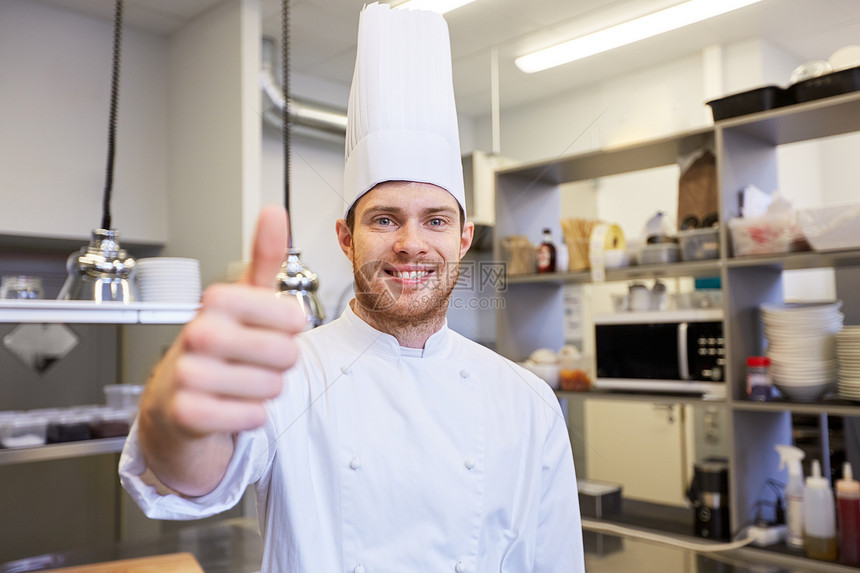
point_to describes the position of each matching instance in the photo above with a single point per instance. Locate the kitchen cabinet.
(531, 307)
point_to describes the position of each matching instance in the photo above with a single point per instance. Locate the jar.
(21, 287)
(759, 382)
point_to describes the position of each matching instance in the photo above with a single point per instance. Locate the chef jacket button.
(346, 370)
(464, 373)
(460, 567)
(355, 463)
(469, 463)
(358, 568)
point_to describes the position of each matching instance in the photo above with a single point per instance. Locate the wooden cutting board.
(171, 563)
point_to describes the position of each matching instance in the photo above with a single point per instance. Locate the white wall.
(55, 74)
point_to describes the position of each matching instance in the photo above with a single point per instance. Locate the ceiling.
(322, 42)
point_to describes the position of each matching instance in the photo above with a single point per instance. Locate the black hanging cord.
(285, 73)
(114, 97)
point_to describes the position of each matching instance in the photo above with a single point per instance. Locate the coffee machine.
(709, 495)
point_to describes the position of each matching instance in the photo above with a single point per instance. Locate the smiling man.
(382, 441)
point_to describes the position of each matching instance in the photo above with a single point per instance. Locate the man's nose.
(410, 240)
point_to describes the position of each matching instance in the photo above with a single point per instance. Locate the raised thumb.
(270, 247)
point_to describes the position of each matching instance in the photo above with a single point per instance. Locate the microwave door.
(638, 351)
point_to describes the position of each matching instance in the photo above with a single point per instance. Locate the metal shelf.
(824, 117)
(833, 407)
(801, 260)
(707, 268)
(80, 312)
(62, 451)
(639, 397)
(613, 160)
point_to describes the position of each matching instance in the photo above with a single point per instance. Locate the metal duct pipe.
(307, 114)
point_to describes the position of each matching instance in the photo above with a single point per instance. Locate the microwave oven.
(680, 352)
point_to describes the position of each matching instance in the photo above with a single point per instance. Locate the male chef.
(382, 441)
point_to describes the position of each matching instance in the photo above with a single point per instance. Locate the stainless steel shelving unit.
(528, 196)
(79, 312)
(61, 451)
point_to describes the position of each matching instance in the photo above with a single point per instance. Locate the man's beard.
(404, 305)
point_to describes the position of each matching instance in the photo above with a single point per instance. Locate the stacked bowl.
(848, 352)
(169, 279)
(802, 347)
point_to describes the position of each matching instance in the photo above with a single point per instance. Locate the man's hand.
(223, 366)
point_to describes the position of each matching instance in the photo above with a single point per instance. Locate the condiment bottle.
(546, 253)
(848, 513)
(759, 383)
(562, 257)
(791, 457)
(819, 514)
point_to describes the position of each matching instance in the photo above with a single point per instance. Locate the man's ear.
(344, 238)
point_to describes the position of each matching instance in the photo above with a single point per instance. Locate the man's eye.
(383, 221)
(437, 222)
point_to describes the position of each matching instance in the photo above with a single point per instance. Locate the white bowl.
(809, 393)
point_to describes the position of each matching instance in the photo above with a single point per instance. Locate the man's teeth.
(410, 274)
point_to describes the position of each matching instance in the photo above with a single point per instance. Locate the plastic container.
(72, 426)
(661, 253)
(759, 382)
(831, 227)
(819, 517)
(762, 235)
(791, 457)
(834, 83)
(112, 423)
(23, 431)
(848, 511)
(751, 101)
(122, 396)
(699, 244)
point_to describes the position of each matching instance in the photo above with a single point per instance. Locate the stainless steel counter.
(235, 546)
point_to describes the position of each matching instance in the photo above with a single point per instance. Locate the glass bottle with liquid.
(848, 511)
(546, 255)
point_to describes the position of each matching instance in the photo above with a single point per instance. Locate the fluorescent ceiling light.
(645, 27)
(440, 6)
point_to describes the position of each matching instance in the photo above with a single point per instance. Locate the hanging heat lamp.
(294, 279)
(102, 271)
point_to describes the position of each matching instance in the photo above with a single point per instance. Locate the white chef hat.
(402, 121)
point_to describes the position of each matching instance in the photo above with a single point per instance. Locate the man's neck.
(407, 335)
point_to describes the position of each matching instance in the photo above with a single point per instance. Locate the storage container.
(772, 233)
(699, 244)
(112, 423)
(751, 101)
(834, 83)
(831, 227)
(23, 431)
(661, 253)
(71, 426)
(121, 396)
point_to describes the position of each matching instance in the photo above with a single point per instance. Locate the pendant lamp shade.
(102, 271)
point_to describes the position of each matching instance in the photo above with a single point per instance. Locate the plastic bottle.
(848, 512)
(819, 514)
(759, 383)
(562, 257)
(791, 456)
(546, 253)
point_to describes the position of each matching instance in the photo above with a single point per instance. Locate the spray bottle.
(848, 512)
(819, 515)
(791, 456)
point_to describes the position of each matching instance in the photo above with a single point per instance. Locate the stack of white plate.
(169, 279)
(802, 347)
(848, 352)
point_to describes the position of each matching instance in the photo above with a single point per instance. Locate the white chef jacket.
(378, 458)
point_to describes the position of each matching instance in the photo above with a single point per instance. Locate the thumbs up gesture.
(223, 366)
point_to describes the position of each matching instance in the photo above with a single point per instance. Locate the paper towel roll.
(604, 237)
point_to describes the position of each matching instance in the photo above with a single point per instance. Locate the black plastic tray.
(751, 101)
(834, 83)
